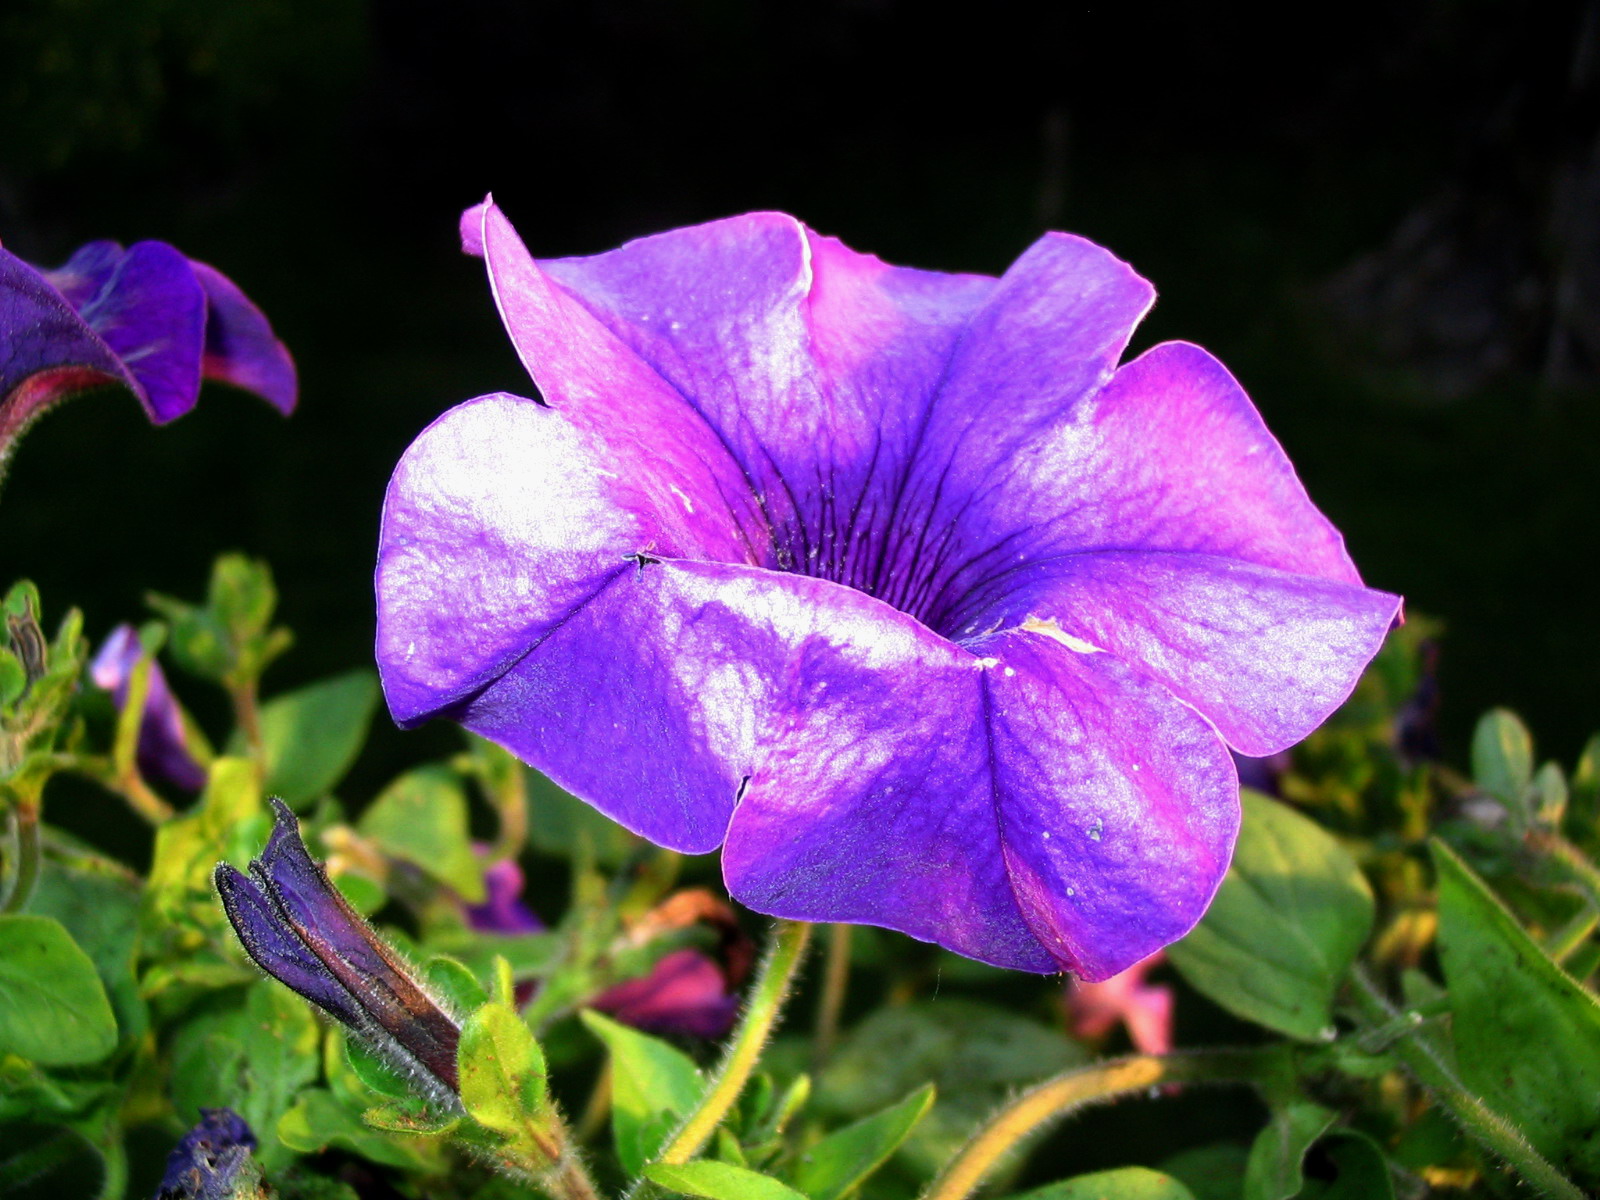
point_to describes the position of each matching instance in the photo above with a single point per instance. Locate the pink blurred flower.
(1145, 1010)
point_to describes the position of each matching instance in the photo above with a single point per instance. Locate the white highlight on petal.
(1051, 629)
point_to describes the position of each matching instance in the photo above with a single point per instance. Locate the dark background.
(1386, 225)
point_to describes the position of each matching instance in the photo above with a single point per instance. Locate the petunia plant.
(814, 589)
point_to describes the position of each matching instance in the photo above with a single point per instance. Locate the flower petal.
(1045, 811)
(272, 947)
(812, 362)
(504, 518)
(1170, 455)
(240, 347)
(1266, 655)
(49, 349)
(152, 312)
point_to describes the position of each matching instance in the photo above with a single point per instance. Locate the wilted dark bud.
(298, 928)
(213, 1161)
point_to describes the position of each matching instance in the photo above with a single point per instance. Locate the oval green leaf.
(53, 1007)
(1285, 926)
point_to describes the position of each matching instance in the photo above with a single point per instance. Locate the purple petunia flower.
(502, 910)
(891, 583)
(163, 750)
(145, 317)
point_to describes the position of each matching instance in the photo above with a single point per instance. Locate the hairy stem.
(1064, 1094)
(1429, 1068)
(835, 980)
(761, 1014)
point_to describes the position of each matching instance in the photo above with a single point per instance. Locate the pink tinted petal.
(874, 803)
(620, 405)
(502, 520)
(1095, 1009)
(1149, 1020)
(152, 313)
(813, 363)
(240, 347)
(1264, 654)
(471, 229)
(684, 994)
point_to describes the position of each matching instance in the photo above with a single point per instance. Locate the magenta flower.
(891, 583)
(146, 317)
(163, 749)
(1143, 1009)
(685, 994)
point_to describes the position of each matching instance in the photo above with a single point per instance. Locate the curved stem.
(1065, 1093)
(25, 819)
(761, 1014)
(1430, 1069)
(835, 979)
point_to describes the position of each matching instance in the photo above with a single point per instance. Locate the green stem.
(835, 980)
(1429, 1068)
(1560, 944)
(760, 1015)
(26, 876)
(1056, 1098)
(247, 714)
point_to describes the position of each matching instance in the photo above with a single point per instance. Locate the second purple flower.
(891, 583)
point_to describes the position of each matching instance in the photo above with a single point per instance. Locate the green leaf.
(1360, 1171)
(653, 1085)
(559, 824)
(49, 1160)
(1273, 1171)
(840, 1161)
(719, 1181)
(502, 1071)
(1527, 1036)
(1502, 758)
(1125, 1183)
(318, 1121)
(312, 735)
(974, 1054)
(422, 818)
(99, 905)
(255, 1056)
(1285, 926)
(29, 1092)
(229, 822)
(454, 985)
(1211, 1172)
(13, 678)
(373, 1072)
(53, 1007)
